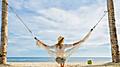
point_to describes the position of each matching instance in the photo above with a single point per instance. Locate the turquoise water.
(50, 59)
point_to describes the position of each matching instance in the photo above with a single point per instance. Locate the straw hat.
(60, 39)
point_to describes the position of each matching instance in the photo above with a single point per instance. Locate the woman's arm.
(83, 39)
(40, 43)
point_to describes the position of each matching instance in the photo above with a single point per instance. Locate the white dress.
(58, 52)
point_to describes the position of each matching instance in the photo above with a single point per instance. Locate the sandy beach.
(48, 64)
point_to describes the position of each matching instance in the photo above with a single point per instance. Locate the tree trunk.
(112, 29)
(4, 32)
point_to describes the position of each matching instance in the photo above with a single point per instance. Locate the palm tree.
(113, 35)
(4, 32)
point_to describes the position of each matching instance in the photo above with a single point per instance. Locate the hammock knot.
(91, 29)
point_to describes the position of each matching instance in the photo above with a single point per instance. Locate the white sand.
(48, 64)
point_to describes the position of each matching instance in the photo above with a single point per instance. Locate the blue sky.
(50, 18)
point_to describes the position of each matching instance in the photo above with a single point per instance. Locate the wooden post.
(112, 29)
(4, 32)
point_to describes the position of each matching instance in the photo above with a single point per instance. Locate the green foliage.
(89, 62)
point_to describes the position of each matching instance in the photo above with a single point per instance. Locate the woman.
(60, 48)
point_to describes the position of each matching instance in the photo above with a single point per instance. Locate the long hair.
(60, 41)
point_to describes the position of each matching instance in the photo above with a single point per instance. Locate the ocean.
(51, 59)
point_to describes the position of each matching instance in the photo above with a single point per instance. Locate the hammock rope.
(29, 30)
(21, 21)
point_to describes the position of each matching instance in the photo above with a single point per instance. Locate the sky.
(48, 19)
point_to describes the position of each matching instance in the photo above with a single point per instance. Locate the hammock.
(70, 51)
